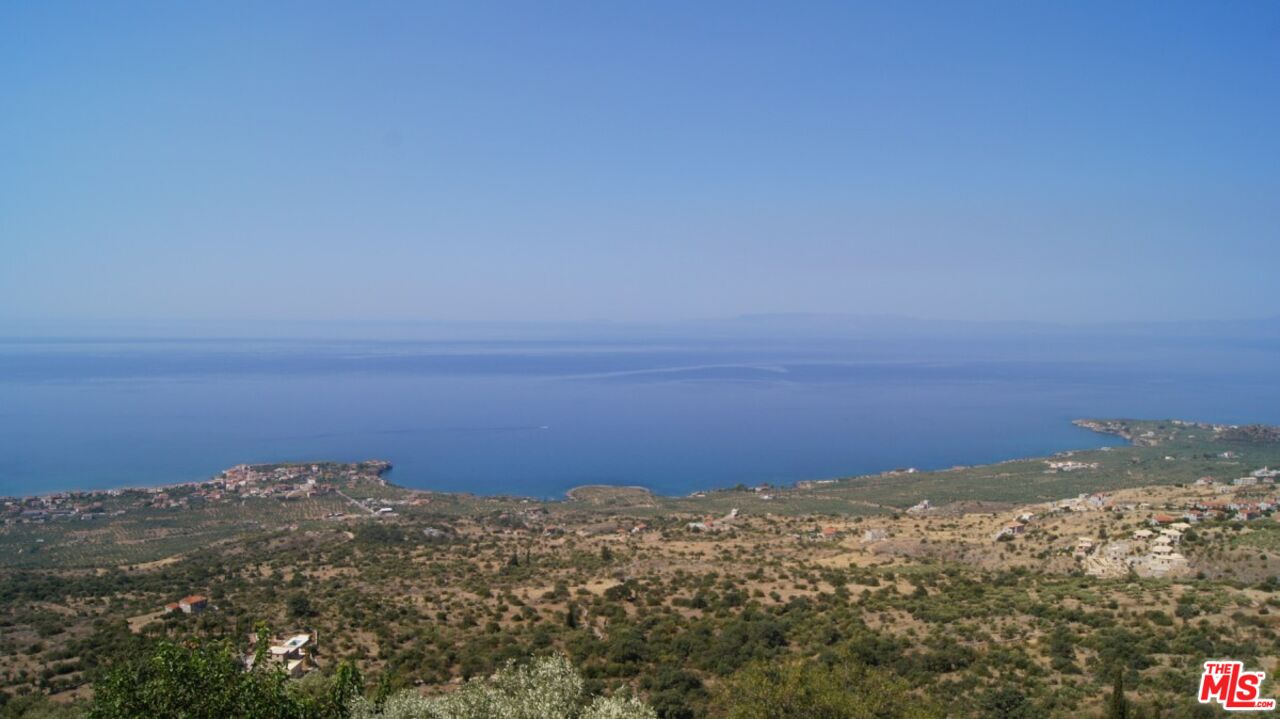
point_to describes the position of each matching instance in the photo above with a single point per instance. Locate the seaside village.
(234, 484)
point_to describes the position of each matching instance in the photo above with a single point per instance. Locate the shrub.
(806, 689)
(547, 688)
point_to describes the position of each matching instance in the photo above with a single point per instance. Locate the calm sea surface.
(538, 418)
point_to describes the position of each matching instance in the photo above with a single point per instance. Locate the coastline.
(1115, 427)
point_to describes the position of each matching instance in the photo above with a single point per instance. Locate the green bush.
(806, 689)
(546, 688)
(209, 681)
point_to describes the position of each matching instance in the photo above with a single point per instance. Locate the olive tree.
(545, 688)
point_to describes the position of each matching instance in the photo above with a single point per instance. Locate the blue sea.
(537, 417)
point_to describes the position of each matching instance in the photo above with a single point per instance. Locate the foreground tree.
(546, 688)
(1007, 703)
(807, 689)
(193, 682)
(1118, 706)
(209, 681)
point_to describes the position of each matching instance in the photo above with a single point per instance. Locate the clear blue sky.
(639, 160)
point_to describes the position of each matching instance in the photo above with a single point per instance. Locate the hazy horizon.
(755, 327)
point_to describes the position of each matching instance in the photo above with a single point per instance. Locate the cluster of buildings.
(1148, 553)
(1266, 475)
(1251, 497)
(1153, 551)
(247, 480)
(1238, 509)
(248, 475)
(1068, 465)
(1085, 502)
(280, 481)
(1226, 508)
(77, 506)
(1202, 425)
(1095, 502)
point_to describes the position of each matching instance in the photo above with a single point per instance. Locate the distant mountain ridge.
(764, 326)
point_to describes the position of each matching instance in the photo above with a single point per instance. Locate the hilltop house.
(296, 653)
(1010, 530)
(1084, 547)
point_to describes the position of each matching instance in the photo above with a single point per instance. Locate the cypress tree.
(1119, 706)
